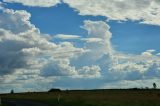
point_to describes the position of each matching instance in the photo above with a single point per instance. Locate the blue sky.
(105, 48)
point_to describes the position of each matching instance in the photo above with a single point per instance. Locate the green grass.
(95, 98)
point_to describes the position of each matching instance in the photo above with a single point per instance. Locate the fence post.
(0, 101)
(58, 98)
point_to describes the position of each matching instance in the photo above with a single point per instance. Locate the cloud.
(17, 21)
(135, 67)
(38, 3)
(145, 11)
(26, 47)
(66, 37)
(151, 50)
(98, 30)
(29, 56)
(147, 54)
(115, 65)
(158, 54)
(26, 54)
(90, 40)
(90, 72)
(59, 68)
(62, 67)
(1, 5)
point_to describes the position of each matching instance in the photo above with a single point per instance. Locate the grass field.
(94, 97)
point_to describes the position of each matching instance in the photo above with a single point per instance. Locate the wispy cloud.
(66, 37)
(38, 3)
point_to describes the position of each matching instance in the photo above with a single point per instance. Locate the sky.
(79, 44)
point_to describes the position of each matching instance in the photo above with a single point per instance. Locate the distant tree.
(146, 88)
(54, 90)
(154, 85)
(12, 91)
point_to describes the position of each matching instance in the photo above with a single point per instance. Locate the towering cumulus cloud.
(27, 55)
